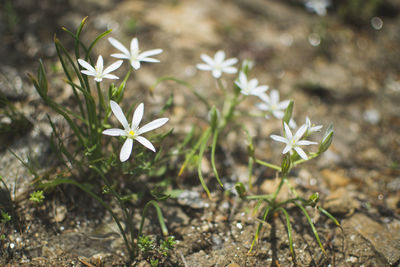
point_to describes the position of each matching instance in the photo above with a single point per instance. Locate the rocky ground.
(339, 68)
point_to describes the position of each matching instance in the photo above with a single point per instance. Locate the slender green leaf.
(312, 227)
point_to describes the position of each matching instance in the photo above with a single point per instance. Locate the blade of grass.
(330, 216)
(213, 147)
(256, 236)
(193, 151)
(159, 215)
(199, 172)
(312, 227)
(289, 228)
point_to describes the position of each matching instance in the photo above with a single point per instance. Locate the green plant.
(86, 153)
(37, 197)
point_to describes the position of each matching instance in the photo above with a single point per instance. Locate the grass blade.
(199, 172)
(259, 228)
(312, 227)
(213, 146)
(289, 228)
(159, 215)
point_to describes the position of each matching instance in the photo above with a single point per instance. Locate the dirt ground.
(342, 68)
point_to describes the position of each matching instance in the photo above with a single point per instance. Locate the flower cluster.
(131, 131)
(270, 105)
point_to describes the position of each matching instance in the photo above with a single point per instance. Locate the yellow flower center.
(131, 133)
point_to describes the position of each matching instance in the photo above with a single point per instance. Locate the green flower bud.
(240, 189)
(213, 116)
(313, 199)
(288, 113)
(286, 165)
(327, 140)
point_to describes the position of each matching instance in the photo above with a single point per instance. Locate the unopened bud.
(313, 199)
(327, 140)
(286, 165)
(213, 116)
(240, 189)
(288, 113)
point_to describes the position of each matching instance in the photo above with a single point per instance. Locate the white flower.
(293, 142)
(132, 131)
(218, 65)
(134, 56)
(98, 72)
(318, 6)
(272, 105)
(311, 128)
(250, 87)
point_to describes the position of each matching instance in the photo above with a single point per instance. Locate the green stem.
(269, 165)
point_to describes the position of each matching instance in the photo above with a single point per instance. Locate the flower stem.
(269, 165)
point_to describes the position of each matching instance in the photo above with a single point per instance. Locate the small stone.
(335, 179)
(341, 201)
(384, 240)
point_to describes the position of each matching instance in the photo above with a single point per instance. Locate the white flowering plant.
(86, 153)
(224, 116)
(91, 125)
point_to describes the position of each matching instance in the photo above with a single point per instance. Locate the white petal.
(121, 56)
(152, 125)
(134, 45)
(229, 70)
(110, 76)
(287, 149)
(116, 109)
(145, 142)
(86, 65)
(150, 53)
(137, 116)
(262, 106)
(100, 63)
(114, 132)
(288, 133)
(88, 72)
(301, 153)
(149, 59)
(278, 114)
(219, 57)
(300, 132)
(253, 83)
(274, 96)
(229, 62)
(203, 67)
(113, 67)
(264, 97)
(119, 46)
(283, 104)
(306, 143)
(259, 90)
(279, 138)
(135, 64)
(98, 79)
(207, 59)
(242, 78)
(126, 150)
(216, 73)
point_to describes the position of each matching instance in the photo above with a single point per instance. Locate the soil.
(337, 70)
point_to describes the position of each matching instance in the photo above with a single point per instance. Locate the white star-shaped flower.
(218, 64)
(272, 105)
(250, 87)
(132, 131)
(98, 71)
(311, 128)
(134, 56)
(293, 142)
